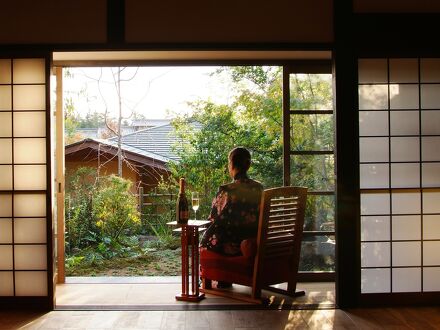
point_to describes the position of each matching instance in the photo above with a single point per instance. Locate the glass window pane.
(6, 284)
(6, 257)
(404, 70)
(320, 213)
(311, 132)
(374, 176)
(406, 227)
(375, 254)
(431, 148)
(30, 257)
(5, 177)
(431, 122)
(405, 175)
(430, 70)
(404, 122)
(407, 280)
(5, 231)
(29, 71)
(405, 149)
(5, 71)
(32, 97)
(375, 228)
(406, 203)
(30, 230)
(30, 177)
(5, 124)
(374, 149)
(31, 283)
(5, 205)
(30, 124)
(6, 151)
(431, 202)
(372, 71)
(431, 255)
(30, 205)
(373, 123)
(311, 92)
(404, 96)
(375, 280)
(5, 98)
(407, 253)
(430, 96)
(375, 204)
(317, 254)
(431, 279)
(313, 171)
(431, 175)
(431, 227)
(29, 151)
(373, 97)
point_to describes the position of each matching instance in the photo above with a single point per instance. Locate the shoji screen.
(23, 178)
(399, 128)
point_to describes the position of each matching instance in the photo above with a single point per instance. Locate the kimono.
(234, 216)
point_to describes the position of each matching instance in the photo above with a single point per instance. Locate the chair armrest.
(248, 247)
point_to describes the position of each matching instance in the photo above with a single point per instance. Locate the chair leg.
(256, 292)
(206, 283)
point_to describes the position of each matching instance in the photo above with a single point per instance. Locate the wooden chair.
(277, 255)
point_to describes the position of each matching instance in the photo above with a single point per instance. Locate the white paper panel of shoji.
(404, 96)
(6, 284)
(30, 230)
(372, 71)
(5, 71)
(405, 149)
(404, 123)
(6, 262)
(430, 96)
(375, 254)
(431, 175)
(30, 205)
(430, 122)
(29, 71)
(31, 283)
(431, 148)
(5, 98)
(406, 227)
(431, 227)
(407, 280)
(5, 205)
(405, 175)
(30, 177)
(431, 255)
(6, 151)
(375, 204)
(29, 151)
(406, 203)
(29, 97)
(30, 257)
(5, 177)
(430, 70)
(431, 202)
(5, 124)
(373, 123)
(431, 279)
(374, 176)
(374, 149)
(373, 97)
(6, 231)
(375, 280)
(404, 70)
(407, 253)
(30, 124)
(375, 228)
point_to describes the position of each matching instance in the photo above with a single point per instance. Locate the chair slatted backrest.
(280, 228)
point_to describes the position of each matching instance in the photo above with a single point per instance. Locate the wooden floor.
(389, 318)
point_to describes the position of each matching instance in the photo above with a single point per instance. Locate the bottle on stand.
(182, 211)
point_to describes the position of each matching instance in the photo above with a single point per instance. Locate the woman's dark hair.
(240, 159)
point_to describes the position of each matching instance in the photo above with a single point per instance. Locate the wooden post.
(141, 199)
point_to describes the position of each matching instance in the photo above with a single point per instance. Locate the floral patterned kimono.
(234, 216)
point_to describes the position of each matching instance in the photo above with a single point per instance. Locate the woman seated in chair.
(235, 209)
